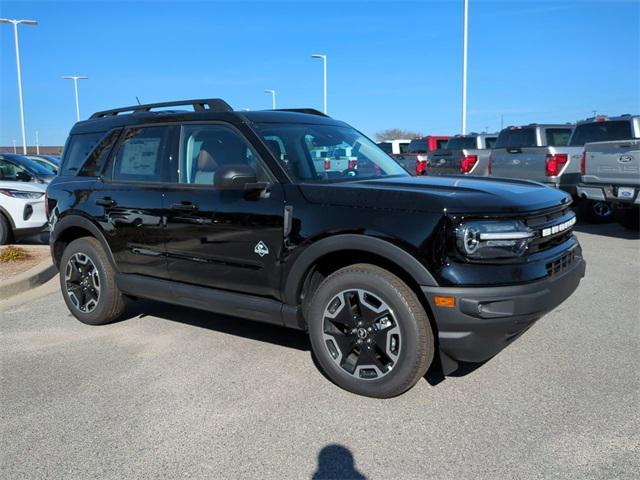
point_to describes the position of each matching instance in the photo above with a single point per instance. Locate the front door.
(229, 239)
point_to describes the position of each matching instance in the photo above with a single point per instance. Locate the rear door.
(226, 239)
(130, 198)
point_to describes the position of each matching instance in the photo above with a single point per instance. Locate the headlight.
(484, 239)
(21, 194)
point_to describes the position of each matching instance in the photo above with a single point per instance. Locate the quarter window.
(76, 150)
(142, 154)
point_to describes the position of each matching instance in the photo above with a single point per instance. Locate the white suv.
(22, 209)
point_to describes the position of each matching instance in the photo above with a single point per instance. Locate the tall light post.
(273, 98)
(324, 64)
(37, 143)
(75, 79)
(464, 68)
(15, 35)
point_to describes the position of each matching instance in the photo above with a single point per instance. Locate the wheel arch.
(71, 228)
(9, 218)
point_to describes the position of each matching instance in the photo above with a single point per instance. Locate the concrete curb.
(36, 276)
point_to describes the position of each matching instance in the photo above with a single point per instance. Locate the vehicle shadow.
(263, 332)
(335, 462)
(607, 229)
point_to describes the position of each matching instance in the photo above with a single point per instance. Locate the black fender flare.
(71, 221)
(338, 243)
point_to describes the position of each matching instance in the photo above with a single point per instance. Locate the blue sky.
(391, 64)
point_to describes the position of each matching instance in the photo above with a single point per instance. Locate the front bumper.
(485, 320)
(607, 193)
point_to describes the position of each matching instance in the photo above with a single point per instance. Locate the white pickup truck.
(610, 170)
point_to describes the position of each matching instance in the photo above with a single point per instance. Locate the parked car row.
(23, 184)
(597, 161)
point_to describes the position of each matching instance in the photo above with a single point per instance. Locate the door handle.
(106, 202)
(184, 206)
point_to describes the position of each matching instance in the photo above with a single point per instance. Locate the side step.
(212, 300)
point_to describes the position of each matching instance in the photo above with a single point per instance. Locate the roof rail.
(202, 105)
(310, 111)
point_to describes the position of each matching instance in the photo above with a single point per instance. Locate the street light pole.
(15, 35)
(273, 98)
(324, 65)
(464, 68)
(75, 79)
(37, 143)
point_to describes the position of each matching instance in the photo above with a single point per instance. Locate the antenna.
(138, 100)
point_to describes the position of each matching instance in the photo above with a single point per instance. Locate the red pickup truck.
(415, 159)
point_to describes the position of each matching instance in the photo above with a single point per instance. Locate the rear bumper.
(487, 319)
(606, 193)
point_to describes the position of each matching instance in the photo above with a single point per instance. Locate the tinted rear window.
(76, 150)
(459, 143)
(558, 137)
(386, 147)
(516, 138)
(601, 132)
(418, 146)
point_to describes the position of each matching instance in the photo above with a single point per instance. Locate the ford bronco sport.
(226, 211)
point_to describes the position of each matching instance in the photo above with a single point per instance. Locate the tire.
(6, 234)
(629, 218)
(382, 350)
(87, 281)
(595, 211)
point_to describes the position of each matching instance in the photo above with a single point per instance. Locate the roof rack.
(202, 105)
(310, 111)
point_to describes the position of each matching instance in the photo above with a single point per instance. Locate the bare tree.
(396, 133)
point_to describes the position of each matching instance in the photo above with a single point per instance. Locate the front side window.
(77, 148)
(558, 137)
(328, 153)
(206, 149)
(9, 170)
(601, 132)
(142, 154)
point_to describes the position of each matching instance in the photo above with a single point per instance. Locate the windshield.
(33, 167)
(327, 153)
(601, 132)
(459, 143)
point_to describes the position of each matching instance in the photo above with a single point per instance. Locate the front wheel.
(87, 280)
(369, 332)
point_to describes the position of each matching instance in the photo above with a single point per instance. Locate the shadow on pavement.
(335, 462)
(262, 332)
(608, 229)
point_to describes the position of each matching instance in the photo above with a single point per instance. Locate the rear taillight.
(421, 167)
(555, 162)
(327, 164)
(489, 167)
(352, 165)
(467, 163)
(583, 163)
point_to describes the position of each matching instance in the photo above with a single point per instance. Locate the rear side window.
(76, 150)
(516, 138)
(558, 137)
(142, 154)
(601, 132)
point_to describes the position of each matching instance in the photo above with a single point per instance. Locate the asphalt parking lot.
(173, 392)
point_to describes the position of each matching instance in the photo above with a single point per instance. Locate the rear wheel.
(88, 285)
(5, 230)
(369, 331)
(595, 211)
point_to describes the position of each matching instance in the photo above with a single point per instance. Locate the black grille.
(561, 264)
(538, 222)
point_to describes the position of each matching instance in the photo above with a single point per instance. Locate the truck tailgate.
(613, 163)
(526, 163)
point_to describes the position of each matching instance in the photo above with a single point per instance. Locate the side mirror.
(23, 176)
(234, 177)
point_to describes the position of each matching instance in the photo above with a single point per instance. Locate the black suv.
(292, 218)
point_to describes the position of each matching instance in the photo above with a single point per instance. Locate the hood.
(458, 194)
(23, 186)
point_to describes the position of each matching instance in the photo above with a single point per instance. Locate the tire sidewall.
(5, 230)
(400, 377)
(87, 247)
